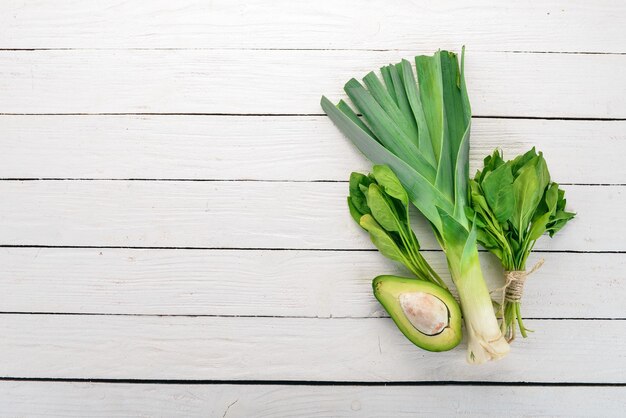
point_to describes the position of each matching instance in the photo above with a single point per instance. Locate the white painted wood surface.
(291, 81)
(123, 400)
(553, 25)
(109, 108)
(273, 283)
(299, 349)
(228, 147)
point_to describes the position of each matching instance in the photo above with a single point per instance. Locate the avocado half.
(427, 314)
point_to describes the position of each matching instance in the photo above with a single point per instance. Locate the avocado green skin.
(387, 290)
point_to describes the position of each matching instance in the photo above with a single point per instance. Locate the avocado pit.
(427, 313)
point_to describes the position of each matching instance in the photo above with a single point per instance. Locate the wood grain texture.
(271, 148)
(554, 25)
(241, 215)
(216, 348)
(292, 81)
(42, 399)
(274, 283)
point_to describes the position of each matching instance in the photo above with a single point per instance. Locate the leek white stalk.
(484, 337)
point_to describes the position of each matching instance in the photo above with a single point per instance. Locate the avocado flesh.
(426, 314)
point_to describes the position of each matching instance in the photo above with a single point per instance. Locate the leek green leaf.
(388, 133)
(469, 253)
(421, 191)
(454, 234)
(404, 105)
(461, 175)
(347, 110)
(453, 102)
(424, 142)
(381, 95)
(431, 95)
(386, 73)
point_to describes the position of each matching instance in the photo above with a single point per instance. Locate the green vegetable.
(422, 134)
(426, 313)
(513, 204)
(379, 204)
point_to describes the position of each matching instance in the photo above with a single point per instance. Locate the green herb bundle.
(513, 203)
(421, 131)
(379, 204)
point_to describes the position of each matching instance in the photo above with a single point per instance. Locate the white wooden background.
(173, 234)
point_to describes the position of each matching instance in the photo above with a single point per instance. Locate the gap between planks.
(396, 383)
(185, 248)
(267, 316)
(296, 49)
(236, 180)
(564, 118)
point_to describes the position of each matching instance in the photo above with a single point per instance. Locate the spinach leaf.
(354, 211)
(379, 204)
(521, 160)
(559, 222)
(527, 189)
(390, 183)
(381, 239)
(357, 197)
(491, 163)
(498, 191)
(538, 227)
(382, 210)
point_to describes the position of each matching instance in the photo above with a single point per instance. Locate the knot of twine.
(513, 288)
(514, 285)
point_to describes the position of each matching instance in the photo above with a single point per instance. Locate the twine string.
(513, 288)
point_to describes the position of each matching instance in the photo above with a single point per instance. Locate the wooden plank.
(218, 348)
(274, 283)
(291, 82)
(36, 399)
(229, 147)
(482, 24)
(240, 215)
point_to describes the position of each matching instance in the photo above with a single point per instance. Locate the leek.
(422, 133)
